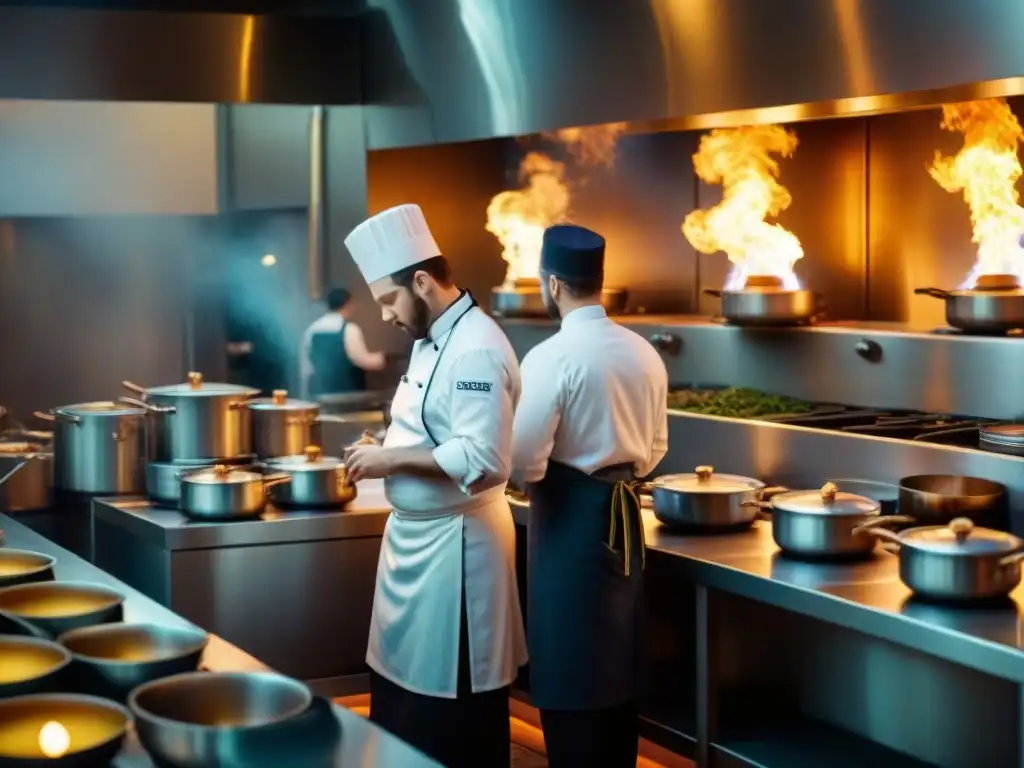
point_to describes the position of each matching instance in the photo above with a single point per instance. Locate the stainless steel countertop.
(362, 743)
(867, 596)
(169, 529)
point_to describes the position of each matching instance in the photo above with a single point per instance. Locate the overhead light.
(268, 260)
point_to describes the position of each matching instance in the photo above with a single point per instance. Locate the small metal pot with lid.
(317, 481)
(283, 426)
(994, 306)
(824, 524)
(763, 301)
(98, 447)
(703, 500)
(956, 562)
(224, 492)
(197, 419)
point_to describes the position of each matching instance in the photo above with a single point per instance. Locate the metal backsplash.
(454, 70)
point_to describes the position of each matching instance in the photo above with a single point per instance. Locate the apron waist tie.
(624, 496)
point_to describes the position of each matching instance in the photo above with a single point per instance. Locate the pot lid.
(309, 461)
(961, 537)
(100, 408)
(195, 386)
(704, 480)
(279, 401)
(1010, 434)
(220, 474)
(827, 501)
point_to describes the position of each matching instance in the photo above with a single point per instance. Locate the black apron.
(585, 611)
(333, 370)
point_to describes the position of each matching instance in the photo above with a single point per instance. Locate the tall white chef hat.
(391, 241)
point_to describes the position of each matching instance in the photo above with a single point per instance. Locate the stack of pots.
(191, 427)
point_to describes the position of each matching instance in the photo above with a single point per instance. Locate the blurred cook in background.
(334, 358)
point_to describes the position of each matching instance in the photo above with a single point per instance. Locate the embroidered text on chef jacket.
(601, 389)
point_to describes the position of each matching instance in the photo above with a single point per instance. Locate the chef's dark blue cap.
(572, 252)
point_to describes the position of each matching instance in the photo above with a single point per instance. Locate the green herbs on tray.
(735, 402)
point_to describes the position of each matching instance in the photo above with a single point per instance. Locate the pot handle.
(148, 406)
(269, 481)
(51, 416)
(131, 386)
(241, 404)
(644, 489)
(935, 293)
(772, 490)
(713, 292)
(1016, 557)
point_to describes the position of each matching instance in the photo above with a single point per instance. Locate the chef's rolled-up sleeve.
(476, 455)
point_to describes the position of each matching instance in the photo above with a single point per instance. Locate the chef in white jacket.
(446, 636)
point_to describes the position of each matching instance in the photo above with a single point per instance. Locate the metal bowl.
(57, 607)
(113, 659)
(20, 566)
(95, 729)
(30, 665)
(200, 719)
(12, 625)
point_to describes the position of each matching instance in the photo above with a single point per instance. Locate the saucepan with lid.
(994, 306)
(282, 425)
(223, 492)
(197, 419)
(316, 480)
(703, 500)
(956, 562)
(824, 524)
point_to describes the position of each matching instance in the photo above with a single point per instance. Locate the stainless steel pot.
(163, 484)
(31, 665)
(1002, 438)
(283, 426)
(317, 481)
(994, 306)
(524, 299)
(764, 302)
(704, 500)
(939, 499)
(225, 493)
(197, 420)
(823, 524)
(98, 447)
(956, 562)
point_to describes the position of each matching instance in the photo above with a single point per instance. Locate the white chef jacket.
(456, 534)
(595, 394)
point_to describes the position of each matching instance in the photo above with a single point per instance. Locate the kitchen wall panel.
(827, 179)
(85, 303)
(639, 205)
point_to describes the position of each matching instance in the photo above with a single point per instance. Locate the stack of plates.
(1003, 438)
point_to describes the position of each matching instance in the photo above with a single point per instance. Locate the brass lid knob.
(828, 492)
(961, 528)
(195, 379)
(704, 472)
(222, 470)
(279, 396)
(312, 453)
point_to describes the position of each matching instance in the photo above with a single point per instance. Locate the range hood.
(457, 70)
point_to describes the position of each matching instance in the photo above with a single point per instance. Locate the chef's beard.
(549, 304)
(420, 321)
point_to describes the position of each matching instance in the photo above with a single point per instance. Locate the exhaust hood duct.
(457, 70)
(192, 57)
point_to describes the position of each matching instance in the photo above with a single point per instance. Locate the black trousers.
(601, 737)
(469, 731)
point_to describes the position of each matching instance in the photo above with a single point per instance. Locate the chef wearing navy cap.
(446, 634)
(591, 419)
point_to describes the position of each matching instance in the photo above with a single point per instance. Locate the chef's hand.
(367, 462)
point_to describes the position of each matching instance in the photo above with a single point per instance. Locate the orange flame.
(986, 170)
(740, 159)
(518, 217)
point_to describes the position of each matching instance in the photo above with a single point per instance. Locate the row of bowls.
(62, 700)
